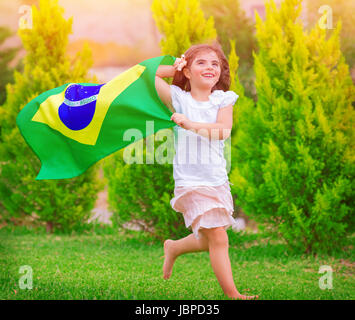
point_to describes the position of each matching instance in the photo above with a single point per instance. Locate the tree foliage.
(182, 23)
(340, 10)
(6, 56)
(294, 151)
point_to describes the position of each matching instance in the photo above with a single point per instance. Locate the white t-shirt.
(198, 160)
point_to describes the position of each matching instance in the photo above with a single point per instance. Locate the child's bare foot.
(169, 259)
(243, 297)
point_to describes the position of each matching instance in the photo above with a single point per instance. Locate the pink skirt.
(204, 206)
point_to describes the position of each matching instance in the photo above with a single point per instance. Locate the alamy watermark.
(326, 281)
(181, 146)
(25, 281)
(326, 20)
(25, 21)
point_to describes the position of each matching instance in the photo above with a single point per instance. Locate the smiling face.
(204, 71)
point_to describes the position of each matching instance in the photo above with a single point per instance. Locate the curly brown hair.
(224, 80)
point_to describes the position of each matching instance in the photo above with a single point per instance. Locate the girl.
(199, 94)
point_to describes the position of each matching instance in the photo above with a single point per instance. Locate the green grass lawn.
(115, 266)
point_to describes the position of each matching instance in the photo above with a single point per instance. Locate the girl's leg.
(218, 248)
(175, 248)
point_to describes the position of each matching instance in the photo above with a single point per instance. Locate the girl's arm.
(169, 71)
(212, 131)
(165, 71)
(162, 87)
(220, 130)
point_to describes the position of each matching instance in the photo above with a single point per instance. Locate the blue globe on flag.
(78, 108)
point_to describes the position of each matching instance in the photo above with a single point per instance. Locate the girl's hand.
(180, 63)
(181, 120)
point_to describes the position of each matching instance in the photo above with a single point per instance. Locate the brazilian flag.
(75, 125)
